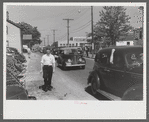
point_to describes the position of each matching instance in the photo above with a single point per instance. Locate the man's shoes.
(46, 88)
(51, 87)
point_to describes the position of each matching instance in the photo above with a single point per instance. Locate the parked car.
(71, 57)
(15, 90)
(118, 73)
(20, 57)
(15, 82)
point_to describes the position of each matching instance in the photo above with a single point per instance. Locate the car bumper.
(74, 65)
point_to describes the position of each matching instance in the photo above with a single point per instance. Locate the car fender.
(134, 93)
(95, 75)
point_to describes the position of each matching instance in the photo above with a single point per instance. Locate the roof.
(11, 22)
(124, 48)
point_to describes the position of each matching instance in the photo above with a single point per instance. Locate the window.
(7, 30)
(103, 58)
(134, 59)
(128, 43)
(118, 61)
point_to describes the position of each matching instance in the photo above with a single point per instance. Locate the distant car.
(55, 52)
(118, 73)
(71, 57)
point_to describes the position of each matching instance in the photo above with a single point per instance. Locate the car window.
(118, 61)
(134, 59)
(103, 58)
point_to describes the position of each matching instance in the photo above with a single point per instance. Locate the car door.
(103, 70)
(117, 75)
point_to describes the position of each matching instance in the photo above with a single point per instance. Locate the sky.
(49, 17)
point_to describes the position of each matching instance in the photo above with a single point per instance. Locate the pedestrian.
(86, 50)
(48, 68)
(29, 52)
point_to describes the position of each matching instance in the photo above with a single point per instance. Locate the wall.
(13, 37)
(72, 43)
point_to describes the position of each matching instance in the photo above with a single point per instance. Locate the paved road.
(68, 85)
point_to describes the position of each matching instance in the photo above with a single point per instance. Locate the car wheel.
(83, 67)
(94, 86)
(64, 67)
(57, 64)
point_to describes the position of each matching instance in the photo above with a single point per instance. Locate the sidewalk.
(64, 87)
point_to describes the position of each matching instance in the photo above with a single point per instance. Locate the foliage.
(113, 24)
(28, 29)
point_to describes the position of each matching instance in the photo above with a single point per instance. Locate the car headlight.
(81, 60)
(69, 60)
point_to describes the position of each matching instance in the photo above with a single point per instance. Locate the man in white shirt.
(48, 68)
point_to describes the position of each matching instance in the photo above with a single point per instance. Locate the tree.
(113, 23)
(28, 29)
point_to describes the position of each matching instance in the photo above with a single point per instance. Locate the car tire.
(83, 67)
(94, 86)
(64, 67)
(57, 64)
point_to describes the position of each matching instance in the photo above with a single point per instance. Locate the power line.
(61, 37)
(82, 26)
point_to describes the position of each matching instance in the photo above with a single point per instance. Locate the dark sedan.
(118, 73)
(71, 57)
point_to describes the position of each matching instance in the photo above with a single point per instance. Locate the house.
(13, 34)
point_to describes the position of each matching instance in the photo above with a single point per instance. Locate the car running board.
(108, 95)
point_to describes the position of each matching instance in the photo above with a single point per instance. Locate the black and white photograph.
(74, 60)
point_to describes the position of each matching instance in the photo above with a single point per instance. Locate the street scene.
(74, 52)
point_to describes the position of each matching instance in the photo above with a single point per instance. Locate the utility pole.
(48, 39)
(44, 41)
(92, 31)
(68, 30)
(54, 35)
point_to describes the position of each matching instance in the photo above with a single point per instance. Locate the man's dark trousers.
(47, 75)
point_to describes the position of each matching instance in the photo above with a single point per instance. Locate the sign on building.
(124, 43)
(27, 36)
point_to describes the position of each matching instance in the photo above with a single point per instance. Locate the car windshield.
(134, 59)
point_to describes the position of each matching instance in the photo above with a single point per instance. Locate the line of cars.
(15, 76)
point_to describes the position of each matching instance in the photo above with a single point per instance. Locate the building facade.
(75, 42)
(13, 34)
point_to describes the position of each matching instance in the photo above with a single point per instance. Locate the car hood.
(67, 56)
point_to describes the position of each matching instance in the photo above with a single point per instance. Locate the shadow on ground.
(70, 68)
(98, 96)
